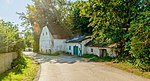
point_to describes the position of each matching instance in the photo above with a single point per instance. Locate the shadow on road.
(54, 59)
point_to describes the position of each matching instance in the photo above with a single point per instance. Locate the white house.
(52, 38)
(76, 46)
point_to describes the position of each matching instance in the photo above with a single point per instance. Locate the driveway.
(71, 68)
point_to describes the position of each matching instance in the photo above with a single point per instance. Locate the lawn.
(24, 69)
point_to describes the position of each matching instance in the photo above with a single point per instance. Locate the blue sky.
(8, 9)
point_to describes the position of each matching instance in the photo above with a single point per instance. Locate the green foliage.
(88, 55)
(140, 41)
(95, 58)
(79, 23)
(43, 12)
(109, 19)
(19, 64)
(9, 37)
(23, 70)
(123, 22)
(29, 38)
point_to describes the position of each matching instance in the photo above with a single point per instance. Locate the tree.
(41, 13)
(9, 37)
(29, 39)
(124, 22)
(111, 19)
(79, 23)
(140, 39)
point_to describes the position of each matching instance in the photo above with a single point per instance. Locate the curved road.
(71, 68)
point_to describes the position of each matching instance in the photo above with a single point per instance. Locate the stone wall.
(6, 60)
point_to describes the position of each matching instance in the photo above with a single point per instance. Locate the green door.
(75, 50)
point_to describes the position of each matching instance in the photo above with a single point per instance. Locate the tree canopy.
(124, 22)
(79, 24)
(9, 37)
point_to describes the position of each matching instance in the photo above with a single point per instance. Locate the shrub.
(19, 64)
(95, 58)
(88, 55)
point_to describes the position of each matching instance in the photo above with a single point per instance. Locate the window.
(69, 47)
(91, 50)
(46, 33)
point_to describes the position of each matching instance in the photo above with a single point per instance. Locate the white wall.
(59, 45)
(95, 50)
(46, 41)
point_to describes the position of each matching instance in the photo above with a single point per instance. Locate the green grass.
(95, 58)
(130, 68)
(24, 69)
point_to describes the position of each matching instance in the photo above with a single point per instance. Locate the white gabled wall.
(46, 41)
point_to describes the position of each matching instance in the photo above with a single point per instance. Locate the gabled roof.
(58, 32)
(78, 39)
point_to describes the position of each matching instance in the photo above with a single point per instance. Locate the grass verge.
(95, 58)
(23, 69)
(130, 68)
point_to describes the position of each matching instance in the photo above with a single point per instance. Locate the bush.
(140, 41)
(19, 64)
(89, 55)
(107, 58)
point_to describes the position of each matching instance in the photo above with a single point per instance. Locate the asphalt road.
(70, 68)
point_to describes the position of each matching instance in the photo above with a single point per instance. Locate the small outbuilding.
(100, 50)
(76, 46)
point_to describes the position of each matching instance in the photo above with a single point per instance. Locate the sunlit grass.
(27, 73)
(130, 68)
